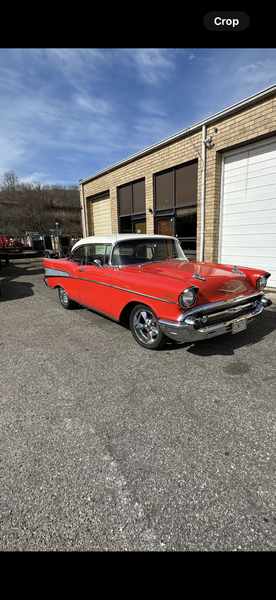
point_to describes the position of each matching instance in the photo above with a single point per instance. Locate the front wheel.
(64, 300)
(145, 328)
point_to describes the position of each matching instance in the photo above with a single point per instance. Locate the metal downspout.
(203, 176)
(83, 211)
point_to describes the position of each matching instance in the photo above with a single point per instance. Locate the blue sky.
(68, 113)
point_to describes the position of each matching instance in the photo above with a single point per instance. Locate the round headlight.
(187, 297)
(261, 282)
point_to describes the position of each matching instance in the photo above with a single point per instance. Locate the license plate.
(239, 325)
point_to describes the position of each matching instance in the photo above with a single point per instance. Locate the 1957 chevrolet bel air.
(148, 280)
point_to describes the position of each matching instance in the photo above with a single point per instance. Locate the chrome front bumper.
(189, 328)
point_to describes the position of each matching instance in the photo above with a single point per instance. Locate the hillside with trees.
(37, 206)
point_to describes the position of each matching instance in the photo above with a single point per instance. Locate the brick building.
(213, 185)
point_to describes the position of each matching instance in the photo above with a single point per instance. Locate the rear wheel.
(145, 328)
(65, 301)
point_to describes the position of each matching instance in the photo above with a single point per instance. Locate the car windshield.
(140, 251)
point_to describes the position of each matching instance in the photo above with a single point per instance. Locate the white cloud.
(152, 65)
(151, 106)
(34, 177)
(260, 73)
(92, 104)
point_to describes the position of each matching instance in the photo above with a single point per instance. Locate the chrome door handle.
(81, 270)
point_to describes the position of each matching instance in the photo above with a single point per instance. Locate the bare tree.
(37, 206)
(34, 207)
(9, 186)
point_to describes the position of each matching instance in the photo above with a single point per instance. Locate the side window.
(98, 252)
(79, 255)
(125, 249)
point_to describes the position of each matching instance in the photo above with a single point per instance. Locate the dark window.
(186, 222)
(176, 205)
(131, 207)
(186, 185)
(125, 225)
(138, 196)
(125, 200)
(164, 190)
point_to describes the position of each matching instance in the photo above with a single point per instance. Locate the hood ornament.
(198, 276)
(236, 270)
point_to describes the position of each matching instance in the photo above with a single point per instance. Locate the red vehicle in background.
(3, 241)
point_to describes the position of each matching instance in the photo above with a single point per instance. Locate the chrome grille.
(221, 314)
(228, 316)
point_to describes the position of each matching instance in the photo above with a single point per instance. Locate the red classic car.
(148, 280)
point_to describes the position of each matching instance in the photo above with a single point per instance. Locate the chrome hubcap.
(145, 326)
(63, 296)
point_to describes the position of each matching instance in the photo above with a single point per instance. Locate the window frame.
(134, 216)
(171, 211)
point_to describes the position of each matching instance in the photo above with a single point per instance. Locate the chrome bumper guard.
(193, 325)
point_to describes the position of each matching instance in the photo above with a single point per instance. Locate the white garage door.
(248, 208)
(101, 215)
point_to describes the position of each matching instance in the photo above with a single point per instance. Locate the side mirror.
(98, 263)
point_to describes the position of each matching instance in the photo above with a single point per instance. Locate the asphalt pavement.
(106, 446)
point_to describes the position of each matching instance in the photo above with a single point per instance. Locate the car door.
(94, 278)
(71, 265)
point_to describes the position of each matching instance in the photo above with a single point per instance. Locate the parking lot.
(106, 446)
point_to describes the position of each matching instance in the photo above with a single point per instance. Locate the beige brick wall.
(244, 127)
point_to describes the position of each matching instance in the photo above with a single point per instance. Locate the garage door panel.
(264, 198)
(255, 170)
(251, 259)
(260, 206)
(267, 240)
(251, 217)
(265, 180)
(101, 216)
(248, 209)
(265, 166)
(236, 161)
(252, 229)
(235, 174)
(261, 153)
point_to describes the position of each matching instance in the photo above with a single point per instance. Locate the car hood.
(220, 281)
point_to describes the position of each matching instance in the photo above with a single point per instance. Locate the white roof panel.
(116, 237)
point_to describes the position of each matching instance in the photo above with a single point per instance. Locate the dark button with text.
(226, 21)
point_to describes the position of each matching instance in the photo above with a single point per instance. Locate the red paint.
(110, 289)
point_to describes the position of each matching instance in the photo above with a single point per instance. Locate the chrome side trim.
(139, 294)
(57, 273)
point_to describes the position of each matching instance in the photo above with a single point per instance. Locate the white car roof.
(116, 237)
